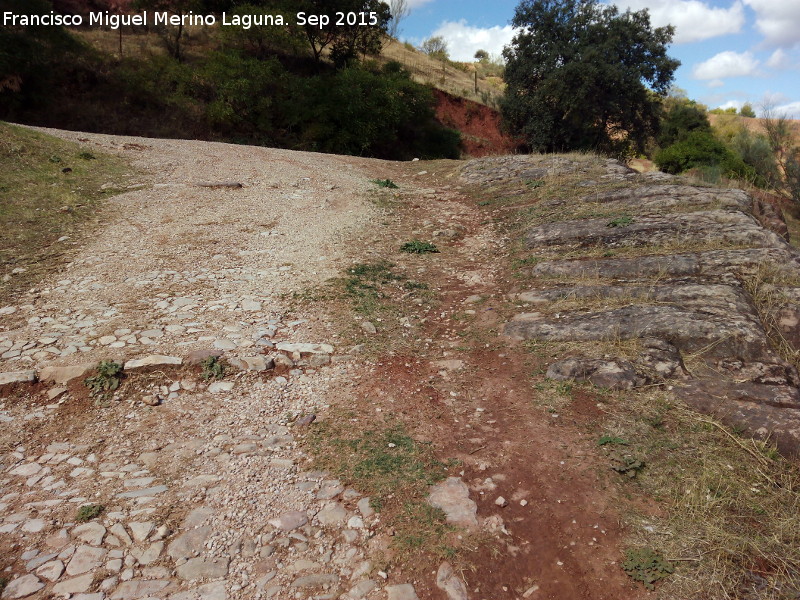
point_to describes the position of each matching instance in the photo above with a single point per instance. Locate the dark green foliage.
(647, 566)
(419, 247)
(213, 367)
(747, 110)
(702, 149)
(265, 41)
(345, 41)
(679, 120)
(107, 380)
(256, 89)
(385, 183)
(363, 112)
(578, 74)
(30, 58)
(240, 95)
(87, 512)
(756, 152)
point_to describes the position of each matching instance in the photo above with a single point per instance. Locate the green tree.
(436, 47)
(482, 56)
(345, 41)
(680, 118)
(747, 110)
(582, 75)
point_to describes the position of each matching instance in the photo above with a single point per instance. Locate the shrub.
(702, 149)
(681, 119)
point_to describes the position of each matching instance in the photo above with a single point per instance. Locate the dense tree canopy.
(582, 75)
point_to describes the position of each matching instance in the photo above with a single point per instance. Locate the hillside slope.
(334, 386)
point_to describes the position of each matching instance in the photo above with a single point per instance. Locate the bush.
(369, 113)
(702, 149)
(681, 119)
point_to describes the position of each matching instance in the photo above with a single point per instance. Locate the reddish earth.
(565, 541)
(479, 125)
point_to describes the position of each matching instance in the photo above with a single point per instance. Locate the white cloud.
(412, 4)
(792, 110)
(726, 64)
(715, 83)
(778, 60)
(693, 20)
(732, 104)
(777, 20)
(464, 40)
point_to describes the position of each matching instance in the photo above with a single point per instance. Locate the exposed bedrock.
(733, 228)
(712, 263)
(720, 325)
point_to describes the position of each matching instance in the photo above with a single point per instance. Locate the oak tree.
(582, 75)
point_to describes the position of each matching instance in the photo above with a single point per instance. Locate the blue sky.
(731, 51)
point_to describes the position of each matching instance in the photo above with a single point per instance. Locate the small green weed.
(419, 247)
(415, 285)
(385, 183)
(214, 368)
(534, 183)
(87, 156)
(107, 380)
(610, 439)
(647, 566)
(87, 512)
(394, 469)
(623, 221)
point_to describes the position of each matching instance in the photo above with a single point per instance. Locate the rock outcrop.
(690, 274)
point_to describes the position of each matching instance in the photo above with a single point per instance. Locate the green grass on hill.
(49, 190)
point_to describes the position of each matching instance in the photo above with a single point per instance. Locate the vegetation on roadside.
(213, 368)
(396, 471)
(49, 194)
(106, 380)
(295, 87)
(87, 512)
(728, 502)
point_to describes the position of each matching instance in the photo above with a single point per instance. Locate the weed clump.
(213, 368)
(107, 380)
(647, 566)
(87, 512)
(419, 247)
(385, 183)
(623, 221)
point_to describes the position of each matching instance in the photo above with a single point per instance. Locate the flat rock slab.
(668, 196)
(761, 410)
(450, 583)
(305, 348)
(17, 377)
(62, 375)
(138, 588)
(154, 360)
(714, 226)
(728, 334)
(697, 264)
(203, 568)
(189, 544)
(404, 591)
(452, 496)
(22, 587)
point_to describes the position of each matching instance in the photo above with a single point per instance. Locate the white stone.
(22, 587)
